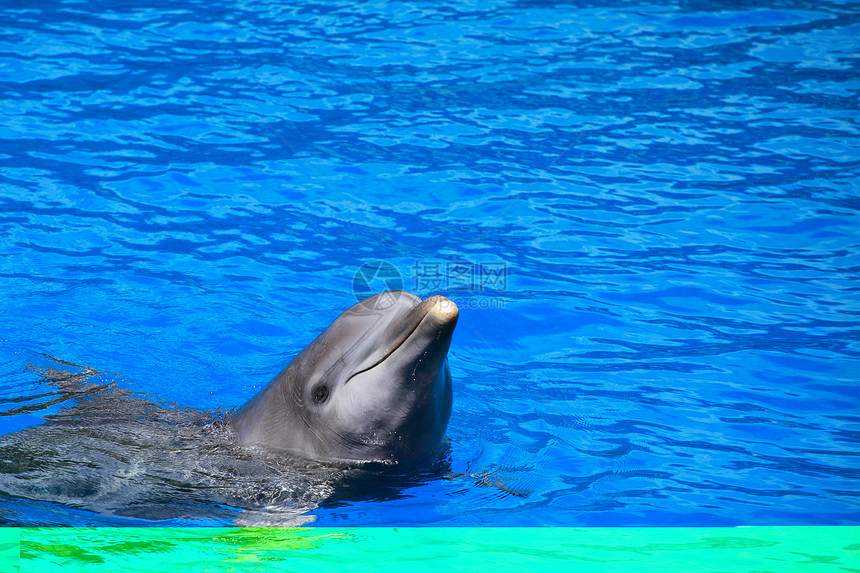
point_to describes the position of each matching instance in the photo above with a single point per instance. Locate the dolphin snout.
(441, 310)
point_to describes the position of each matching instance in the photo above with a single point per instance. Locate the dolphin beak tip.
(444, 310)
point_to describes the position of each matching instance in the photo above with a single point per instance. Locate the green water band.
(412, 550)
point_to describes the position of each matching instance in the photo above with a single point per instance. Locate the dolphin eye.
(320, 394)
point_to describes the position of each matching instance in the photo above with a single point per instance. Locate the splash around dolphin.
(374, 386)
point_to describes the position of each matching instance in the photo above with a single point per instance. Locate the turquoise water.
(647, 213)
(807, 549)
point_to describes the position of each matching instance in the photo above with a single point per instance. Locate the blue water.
(664, 198)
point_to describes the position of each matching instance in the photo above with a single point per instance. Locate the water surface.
(187, 190)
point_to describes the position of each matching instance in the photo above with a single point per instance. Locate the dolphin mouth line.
(397, 346)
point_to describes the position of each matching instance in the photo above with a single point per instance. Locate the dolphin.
(373, 387)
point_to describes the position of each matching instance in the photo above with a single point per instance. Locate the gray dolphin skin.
(374, 386)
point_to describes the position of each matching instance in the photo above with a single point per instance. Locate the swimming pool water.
(647, 212)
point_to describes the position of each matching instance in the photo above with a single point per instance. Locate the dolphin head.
(374, 386)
